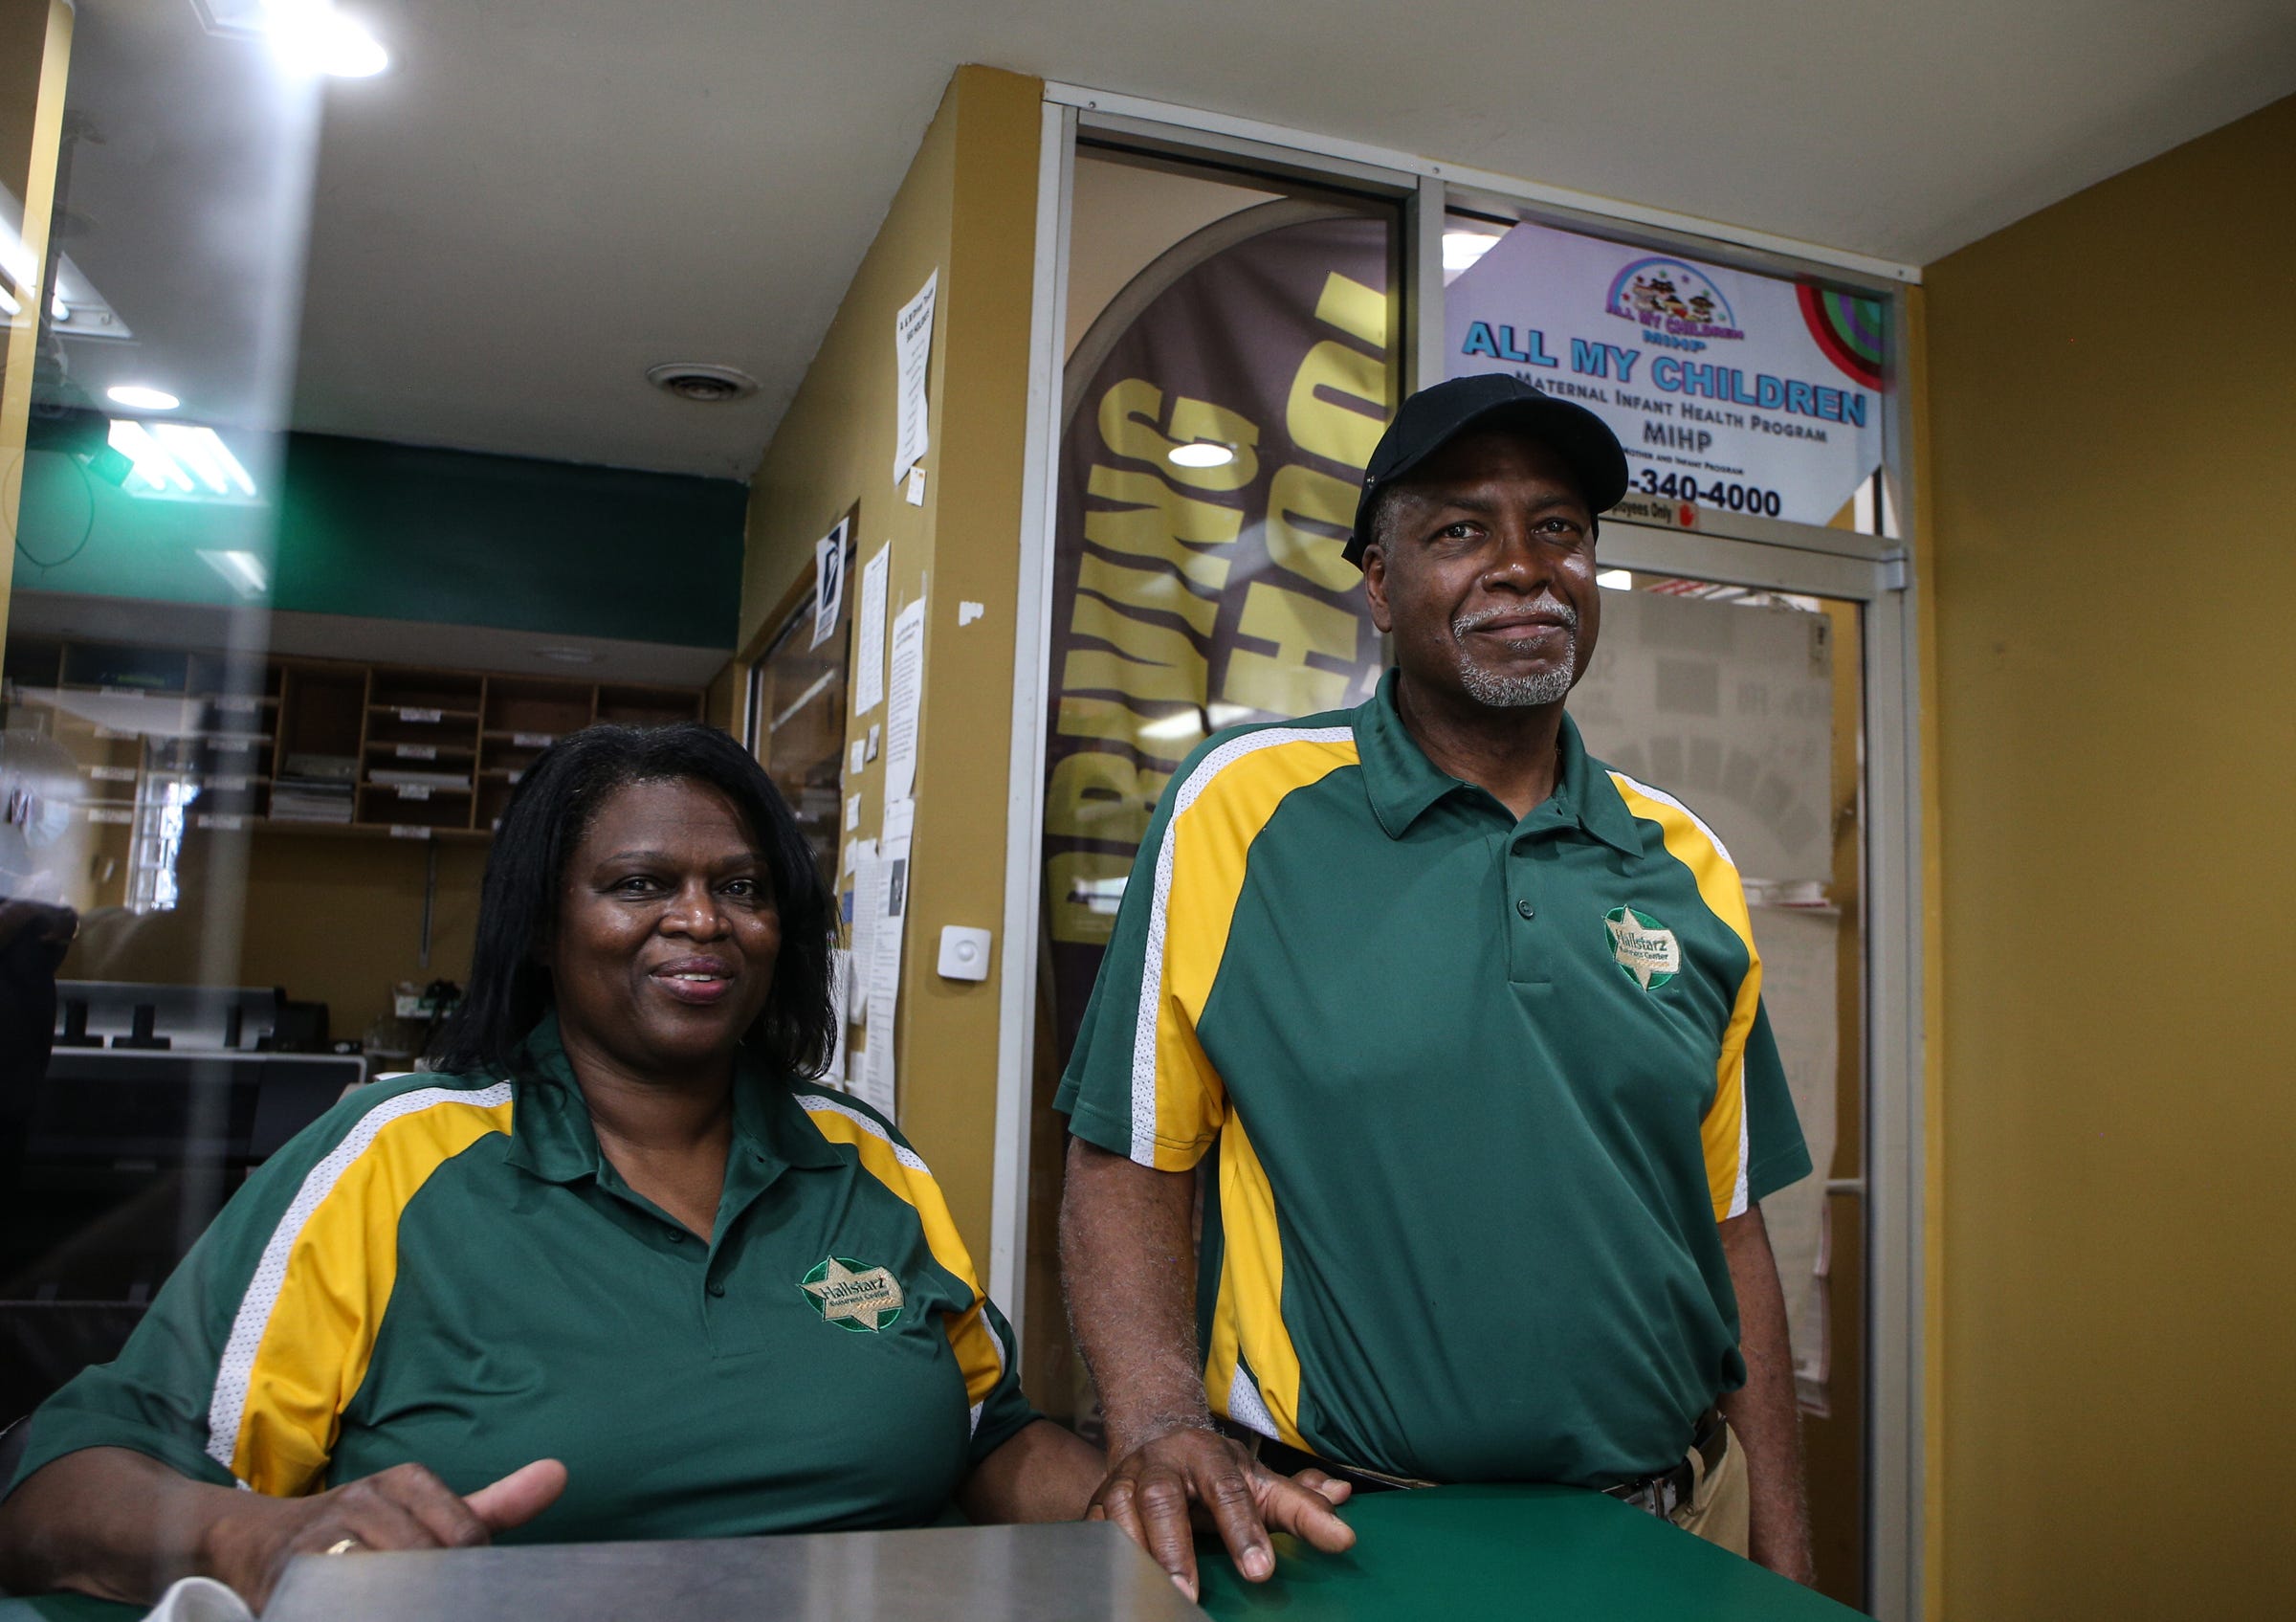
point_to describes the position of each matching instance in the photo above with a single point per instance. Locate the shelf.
(418, 834)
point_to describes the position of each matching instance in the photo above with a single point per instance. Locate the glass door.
(1748, 703)
(1233, 352)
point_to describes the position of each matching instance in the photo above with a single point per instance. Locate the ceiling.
(545, 197)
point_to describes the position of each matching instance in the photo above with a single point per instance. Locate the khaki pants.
(1719, 1505)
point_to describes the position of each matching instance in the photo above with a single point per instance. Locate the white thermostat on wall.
(963, 953)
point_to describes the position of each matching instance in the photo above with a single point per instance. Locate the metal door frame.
(1867, 569)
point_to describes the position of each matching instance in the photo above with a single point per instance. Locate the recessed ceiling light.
(1615, 580)
(1203, 453)
(701, 380)
(568, 655)
(139, 397)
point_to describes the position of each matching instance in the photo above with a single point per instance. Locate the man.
(1471, 1028)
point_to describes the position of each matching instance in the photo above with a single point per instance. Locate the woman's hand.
(405, 1507)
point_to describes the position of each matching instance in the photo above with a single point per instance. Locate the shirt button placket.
(1524, 964)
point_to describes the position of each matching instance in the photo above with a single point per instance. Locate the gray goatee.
(1548, 687)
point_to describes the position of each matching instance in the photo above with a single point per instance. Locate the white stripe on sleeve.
(229, 1408)
(1151, 966)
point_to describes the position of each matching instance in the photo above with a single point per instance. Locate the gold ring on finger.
(343, 1545)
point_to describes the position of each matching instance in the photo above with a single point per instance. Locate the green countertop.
(1550, 1553)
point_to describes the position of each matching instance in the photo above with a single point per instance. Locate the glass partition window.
(797, 708)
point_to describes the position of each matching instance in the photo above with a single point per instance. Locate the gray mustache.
(1560, 610)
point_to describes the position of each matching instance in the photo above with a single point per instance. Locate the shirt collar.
(551, 1135)
(1404, 783)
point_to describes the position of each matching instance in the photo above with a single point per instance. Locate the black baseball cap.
(1433, 417)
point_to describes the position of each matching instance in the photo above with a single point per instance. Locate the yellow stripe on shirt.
(1218, 810)
(979, 1352)
(1722, 1134)
(306, 1327)
(1247, 1315)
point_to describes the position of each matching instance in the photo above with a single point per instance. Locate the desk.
(1449, 1552)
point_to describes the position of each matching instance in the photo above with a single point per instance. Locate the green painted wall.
(399, 532)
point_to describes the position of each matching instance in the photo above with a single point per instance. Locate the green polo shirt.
(445, 1270)
(1479, 1091)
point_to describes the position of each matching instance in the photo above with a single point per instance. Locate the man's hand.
(401, 1508)
(1763, 1413)
(1163, 1488)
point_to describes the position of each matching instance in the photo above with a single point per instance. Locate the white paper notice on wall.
(884, 899)
(869, 655)
(840, 976)
(861, 929)
(906, 695)
(829, 581)
(915, 493)
(913, 353)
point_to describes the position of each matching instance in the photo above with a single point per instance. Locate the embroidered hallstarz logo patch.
(1645, 949)
(853, 1295)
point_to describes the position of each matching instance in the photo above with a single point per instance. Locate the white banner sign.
(1728, 389)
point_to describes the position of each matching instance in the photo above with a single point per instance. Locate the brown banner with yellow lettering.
(1188, 598)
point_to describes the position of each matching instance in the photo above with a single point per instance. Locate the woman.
(615, 1271)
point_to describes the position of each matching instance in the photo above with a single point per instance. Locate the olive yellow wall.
(35, 54)
(968, 209)
(339, 919)
(2114, 470)
(334, 919)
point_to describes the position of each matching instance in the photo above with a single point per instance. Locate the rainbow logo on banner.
(1848, 330)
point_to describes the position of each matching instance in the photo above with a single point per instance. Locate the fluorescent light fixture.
(1615, 580)
(1203, 453)
(568, 655)
(202, 451)
(245, 570)
(143, 398)
(180, 461)
(155, 469)
(1461, 249)
(312, 36)
(9, 304)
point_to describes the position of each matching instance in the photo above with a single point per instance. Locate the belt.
(1669, 1490)
(1661, 1494)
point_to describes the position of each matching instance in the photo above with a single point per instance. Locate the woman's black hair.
(509, 989)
